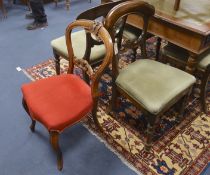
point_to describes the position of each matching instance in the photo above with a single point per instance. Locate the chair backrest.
(96, 29)
(121, 11)
(96, 13)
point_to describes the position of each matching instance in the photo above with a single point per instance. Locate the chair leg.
(33, 123)
(181, 107)
(204, 83)
(54, 140)
(94, 114)
(57, 62)
(151, 126)
(158, 45)
(25, 105)
(114, 99)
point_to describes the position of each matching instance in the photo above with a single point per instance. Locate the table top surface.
(192, 14)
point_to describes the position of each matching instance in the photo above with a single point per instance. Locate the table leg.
(191, 63)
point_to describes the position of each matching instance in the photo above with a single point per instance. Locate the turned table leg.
(191, 63)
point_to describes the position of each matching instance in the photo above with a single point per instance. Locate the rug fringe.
(29, 76)
(111, 149)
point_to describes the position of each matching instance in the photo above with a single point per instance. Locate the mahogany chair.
(151, 86)
(84, 45)
(178, 56)
(61, 101)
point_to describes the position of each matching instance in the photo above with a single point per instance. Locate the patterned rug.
(178, 148)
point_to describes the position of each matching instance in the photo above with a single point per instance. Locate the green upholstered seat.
(154, 85)
(79, 46)
(182, 55)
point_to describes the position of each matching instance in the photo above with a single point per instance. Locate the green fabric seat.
(182, 55)
(79, 46)
(154, 85)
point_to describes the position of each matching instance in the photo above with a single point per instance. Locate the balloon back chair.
(151, 86)
(178, 56)
(84, 44)
(63, 100)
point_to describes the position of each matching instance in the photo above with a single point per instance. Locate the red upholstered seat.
(58, 101)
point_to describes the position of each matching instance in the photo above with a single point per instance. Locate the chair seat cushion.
(59, 101)
(79, 46)
(181, 54)
(153, 85)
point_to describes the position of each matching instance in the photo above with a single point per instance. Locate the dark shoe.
(29, 16)
(36, 25)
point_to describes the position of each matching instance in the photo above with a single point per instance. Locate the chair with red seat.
(60, 101)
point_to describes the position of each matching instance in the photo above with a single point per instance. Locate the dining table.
(187, 27)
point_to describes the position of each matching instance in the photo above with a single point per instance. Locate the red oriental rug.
(178, 148)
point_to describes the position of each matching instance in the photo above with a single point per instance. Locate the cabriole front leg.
(54, 140)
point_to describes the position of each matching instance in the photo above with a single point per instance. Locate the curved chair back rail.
(129, 7)
(96, 29)
(121, 11)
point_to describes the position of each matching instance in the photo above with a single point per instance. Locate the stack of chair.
(89, 48)
(61, 101)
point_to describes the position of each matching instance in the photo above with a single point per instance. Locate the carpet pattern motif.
(178, 148)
